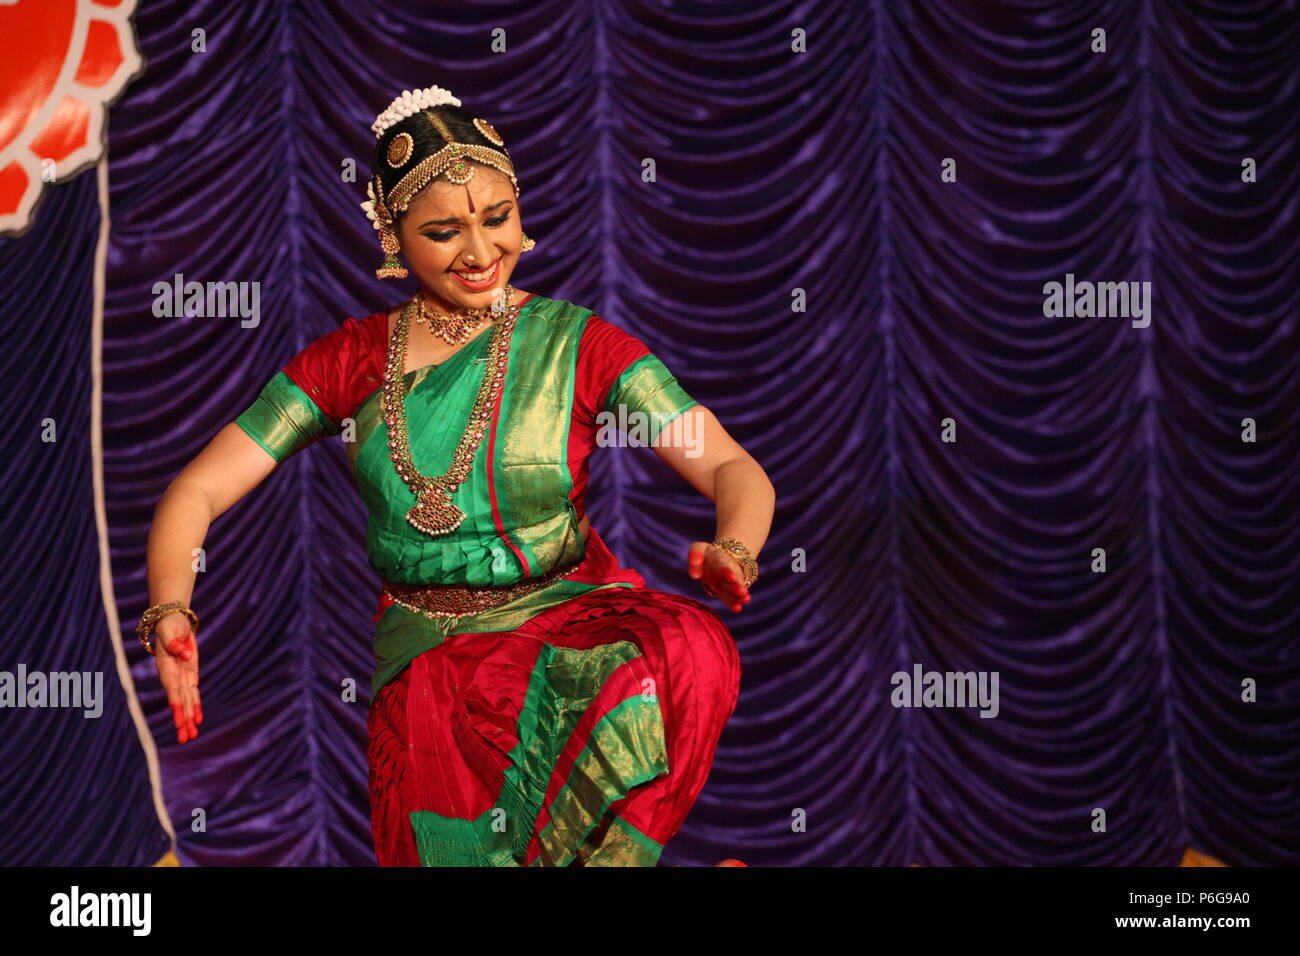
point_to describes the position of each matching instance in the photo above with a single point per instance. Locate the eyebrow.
(455, 219)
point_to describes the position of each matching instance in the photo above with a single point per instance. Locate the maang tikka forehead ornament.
(450, 161)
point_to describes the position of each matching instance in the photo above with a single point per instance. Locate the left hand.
(719, 573)
(176, 655)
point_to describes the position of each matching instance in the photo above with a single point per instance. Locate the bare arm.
(700, 450)
(231, 466)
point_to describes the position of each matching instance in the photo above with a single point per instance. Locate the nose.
(478, 251)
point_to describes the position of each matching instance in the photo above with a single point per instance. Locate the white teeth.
(478, 276)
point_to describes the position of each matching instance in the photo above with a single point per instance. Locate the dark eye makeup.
(492, 223)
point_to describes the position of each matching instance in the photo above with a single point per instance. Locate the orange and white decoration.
(61, 63)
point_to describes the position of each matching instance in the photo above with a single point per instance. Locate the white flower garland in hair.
(369, 205)
(408, 104)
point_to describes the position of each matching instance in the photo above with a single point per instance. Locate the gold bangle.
(149, 620)
(741, 554)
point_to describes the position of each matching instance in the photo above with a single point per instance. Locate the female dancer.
(533, 703)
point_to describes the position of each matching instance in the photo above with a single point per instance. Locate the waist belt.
(462, 600)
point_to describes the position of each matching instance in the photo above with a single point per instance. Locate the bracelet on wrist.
(741, 554)
(149, 620)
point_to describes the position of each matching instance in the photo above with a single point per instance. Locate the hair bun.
(408, 104)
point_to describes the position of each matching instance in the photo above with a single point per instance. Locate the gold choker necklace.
(455, 327)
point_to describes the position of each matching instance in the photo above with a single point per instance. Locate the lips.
(483, 284)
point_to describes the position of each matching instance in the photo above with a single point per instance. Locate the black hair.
(428, 141)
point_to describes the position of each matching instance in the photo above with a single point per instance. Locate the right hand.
(719, 573)
(176, 653)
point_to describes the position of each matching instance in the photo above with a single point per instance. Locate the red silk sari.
(575, 725)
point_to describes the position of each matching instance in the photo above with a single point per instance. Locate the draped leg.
(391, 794)
(696, 668)
(584, 736)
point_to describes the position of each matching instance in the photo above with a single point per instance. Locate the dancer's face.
(450, 229)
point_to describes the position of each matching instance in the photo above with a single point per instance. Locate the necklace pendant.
(434, 513)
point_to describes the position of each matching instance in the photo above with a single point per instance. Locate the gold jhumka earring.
(391, 268)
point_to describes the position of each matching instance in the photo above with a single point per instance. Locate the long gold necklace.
(454, 328)
(434, 513)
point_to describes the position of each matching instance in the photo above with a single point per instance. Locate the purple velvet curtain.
(781, 176)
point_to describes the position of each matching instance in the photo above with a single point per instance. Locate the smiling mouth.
(479, 277)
